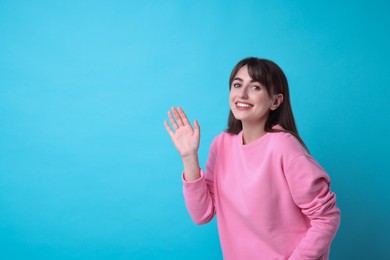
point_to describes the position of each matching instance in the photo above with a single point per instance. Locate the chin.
(238, 117)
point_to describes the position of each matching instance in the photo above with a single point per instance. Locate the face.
(249, 100)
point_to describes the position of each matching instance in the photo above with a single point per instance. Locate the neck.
(252, 132)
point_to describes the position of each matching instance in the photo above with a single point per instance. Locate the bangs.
(258, 72)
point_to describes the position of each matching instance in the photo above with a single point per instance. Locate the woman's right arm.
(198, 188)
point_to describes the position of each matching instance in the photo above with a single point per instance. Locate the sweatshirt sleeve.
(199, 194)
(310, 188)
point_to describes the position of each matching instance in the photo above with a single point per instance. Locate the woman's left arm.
(310, 188)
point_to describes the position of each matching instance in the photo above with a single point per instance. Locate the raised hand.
(185, 138)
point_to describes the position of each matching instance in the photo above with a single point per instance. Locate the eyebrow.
(240, 79)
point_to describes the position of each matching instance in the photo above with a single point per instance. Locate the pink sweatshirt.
(271, 198)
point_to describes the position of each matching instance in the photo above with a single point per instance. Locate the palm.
(184, 137)
(185, 140)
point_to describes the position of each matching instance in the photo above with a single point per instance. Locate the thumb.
(196, 127)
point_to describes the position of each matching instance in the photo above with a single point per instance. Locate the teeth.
(243, 105)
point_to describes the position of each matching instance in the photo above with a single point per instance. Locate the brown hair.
(272, 77)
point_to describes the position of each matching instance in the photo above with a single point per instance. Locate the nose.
(243, 92)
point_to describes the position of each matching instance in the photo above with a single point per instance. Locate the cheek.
(263, 99)
(231, 95)
(231, 98)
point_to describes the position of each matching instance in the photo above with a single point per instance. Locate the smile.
(244, 105)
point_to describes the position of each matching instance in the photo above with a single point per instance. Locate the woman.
(271, 198)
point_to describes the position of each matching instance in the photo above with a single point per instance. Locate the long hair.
(272, 77)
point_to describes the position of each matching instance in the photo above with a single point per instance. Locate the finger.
(172, 120)
(169, 130)
(183, 116)
(177, 117)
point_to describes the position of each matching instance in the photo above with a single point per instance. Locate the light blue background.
(87, 170)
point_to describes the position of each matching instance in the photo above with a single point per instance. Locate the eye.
(236, 85)
(256, 88)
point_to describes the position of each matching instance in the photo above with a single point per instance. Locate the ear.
(277, 101)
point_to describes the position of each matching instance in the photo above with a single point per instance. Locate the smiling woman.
(260, 180)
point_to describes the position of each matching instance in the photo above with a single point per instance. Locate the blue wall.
(87, 170)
